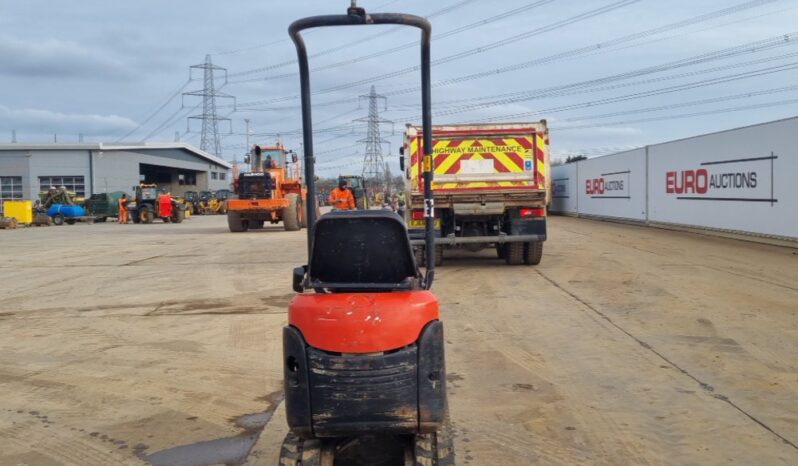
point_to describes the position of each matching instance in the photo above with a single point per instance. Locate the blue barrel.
(66, 210)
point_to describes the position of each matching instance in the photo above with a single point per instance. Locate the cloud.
(56, 59)
(46, 121)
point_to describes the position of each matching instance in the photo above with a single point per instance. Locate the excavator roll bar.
(356, 16)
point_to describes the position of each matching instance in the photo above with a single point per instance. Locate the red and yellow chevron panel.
(466, 158)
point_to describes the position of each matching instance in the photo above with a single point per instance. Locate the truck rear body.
(491, 183)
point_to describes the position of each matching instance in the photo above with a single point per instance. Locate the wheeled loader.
(363, 351)
(269, 192)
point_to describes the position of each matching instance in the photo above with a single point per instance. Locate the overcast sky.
(592, 68)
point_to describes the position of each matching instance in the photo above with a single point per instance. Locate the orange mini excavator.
(363, 350)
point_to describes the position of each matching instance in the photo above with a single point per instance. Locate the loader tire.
(434, 449)
(514, 253)
(298, 452)
(292, 213)
(236, 223)
(179, 216)
(533, 252)
(146, 215)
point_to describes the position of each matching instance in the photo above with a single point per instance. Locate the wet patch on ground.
(231, 451)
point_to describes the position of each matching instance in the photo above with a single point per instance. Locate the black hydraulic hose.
(356, 17)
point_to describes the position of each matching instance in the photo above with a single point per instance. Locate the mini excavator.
(363, 351)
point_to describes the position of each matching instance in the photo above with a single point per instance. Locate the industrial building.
(86, 169)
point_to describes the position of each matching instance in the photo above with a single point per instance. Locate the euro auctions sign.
(614, 185)
(748, 179)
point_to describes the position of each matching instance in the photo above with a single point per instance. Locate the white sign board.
(563, 188)
(740, 180)
(614, 186)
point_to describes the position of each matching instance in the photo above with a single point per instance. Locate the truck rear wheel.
(236, 223)
(514, 253)
(291, 214)
(533, 252)
(418, 252)
(438, 256)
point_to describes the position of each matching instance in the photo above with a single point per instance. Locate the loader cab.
(222, 194)
(146, 192)
(255, 186)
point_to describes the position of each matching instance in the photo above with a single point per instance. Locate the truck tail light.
(533, 212)
(417, 215)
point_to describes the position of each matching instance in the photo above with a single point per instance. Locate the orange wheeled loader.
(270, 192)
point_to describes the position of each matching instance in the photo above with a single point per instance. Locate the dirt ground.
(626, 346)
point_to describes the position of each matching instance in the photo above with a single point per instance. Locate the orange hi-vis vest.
(342, 199)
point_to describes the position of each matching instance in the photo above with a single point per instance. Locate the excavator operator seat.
(362, 250)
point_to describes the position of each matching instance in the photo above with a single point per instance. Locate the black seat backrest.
(362, 250)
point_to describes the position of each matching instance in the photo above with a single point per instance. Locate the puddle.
(230, 451)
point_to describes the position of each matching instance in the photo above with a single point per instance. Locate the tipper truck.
(491, 188)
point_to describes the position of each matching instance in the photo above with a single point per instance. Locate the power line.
(275, 66)
(484, 48)
(594, 85)
(158, 110)
(655, 92)
(591, 84)
(168, 122)
(600, 47)
(277, 41)
(758, 106)
(469, 27)
(594, 49)
(530, 33)
(693, 103)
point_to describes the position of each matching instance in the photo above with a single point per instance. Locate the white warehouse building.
(27, 169)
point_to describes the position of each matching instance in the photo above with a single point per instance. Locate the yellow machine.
(210, 204)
